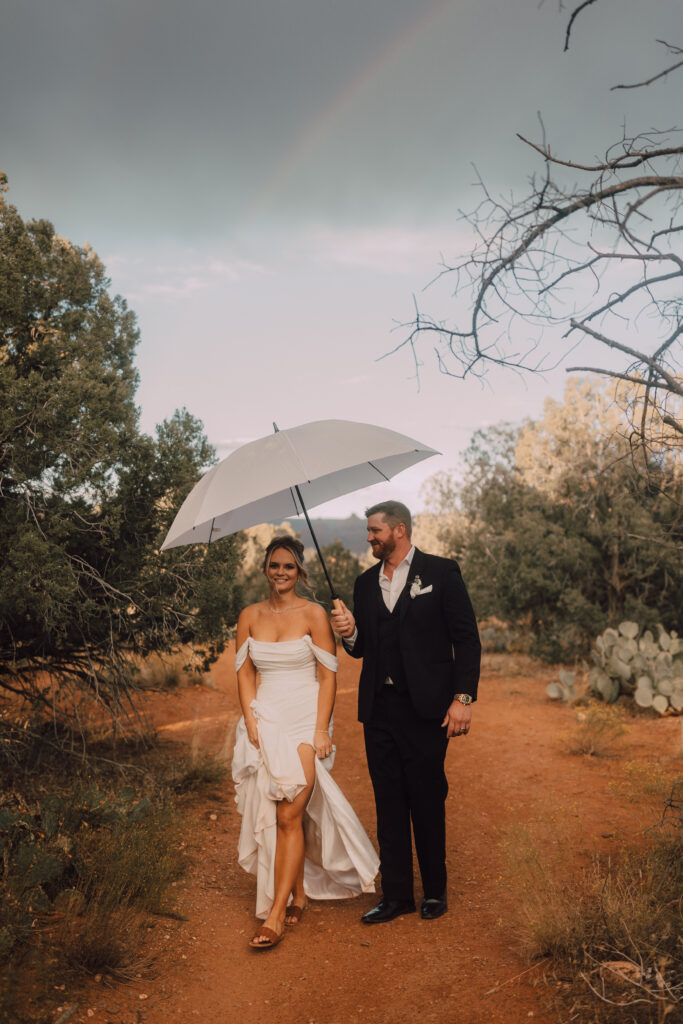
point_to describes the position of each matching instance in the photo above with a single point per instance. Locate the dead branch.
(649, 81)
(532, 253)
(575, 14)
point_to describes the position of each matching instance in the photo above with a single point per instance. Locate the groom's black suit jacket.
(438, 637)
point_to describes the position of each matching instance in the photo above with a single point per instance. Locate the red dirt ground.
(466, 967)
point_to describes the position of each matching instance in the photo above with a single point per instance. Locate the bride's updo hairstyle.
(295, 549)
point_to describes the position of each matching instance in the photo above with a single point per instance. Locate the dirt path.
(465, 967)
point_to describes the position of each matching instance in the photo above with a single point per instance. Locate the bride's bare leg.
(298, 894)
(289, 851)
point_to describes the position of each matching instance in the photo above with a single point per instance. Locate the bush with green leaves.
(53, 848)
(86, 497)
(560, 531)
(82, 868)
(344, 568)
(633, 661)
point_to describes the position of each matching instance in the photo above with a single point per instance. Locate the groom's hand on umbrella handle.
(343, 622)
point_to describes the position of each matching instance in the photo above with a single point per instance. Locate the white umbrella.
(287, 472)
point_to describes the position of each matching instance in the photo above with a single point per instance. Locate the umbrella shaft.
(317, 546)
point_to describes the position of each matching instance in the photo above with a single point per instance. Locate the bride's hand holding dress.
(251, 726)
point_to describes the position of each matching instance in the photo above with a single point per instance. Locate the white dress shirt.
(391, 590)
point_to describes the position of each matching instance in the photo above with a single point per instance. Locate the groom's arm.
(463, 632)
(464, 635)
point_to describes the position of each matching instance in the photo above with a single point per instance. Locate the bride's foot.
(269, 934)
(296, 907)
(294, 912)
(266, 938)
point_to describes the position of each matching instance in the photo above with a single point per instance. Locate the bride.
(299, 835)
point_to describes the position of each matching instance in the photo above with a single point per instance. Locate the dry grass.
(134, 862)
(550, 908)
(106, 941)
(598, 728)
(90, 847)
(198, 769)
(612, 929)
(169, 671)
(643, 780)
(194, 773)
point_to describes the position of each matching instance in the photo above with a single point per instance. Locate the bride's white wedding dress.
(340, 859)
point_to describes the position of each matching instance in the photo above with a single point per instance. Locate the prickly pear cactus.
(647, 669)
(564, 689)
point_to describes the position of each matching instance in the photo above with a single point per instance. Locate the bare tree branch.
(626, 160)
(566, 256)
(654, 78)
(575, 14)
(602, 248)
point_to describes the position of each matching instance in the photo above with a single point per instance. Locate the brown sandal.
(266, 933)
(294, 911)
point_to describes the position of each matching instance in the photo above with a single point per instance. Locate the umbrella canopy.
(286, 472)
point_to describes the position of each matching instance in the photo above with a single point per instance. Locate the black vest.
(388, 650)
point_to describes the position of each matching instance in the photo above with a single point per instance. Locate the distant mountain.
(350, 531)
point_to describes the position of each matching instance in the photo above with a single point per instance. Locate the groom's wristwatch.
(464, 698)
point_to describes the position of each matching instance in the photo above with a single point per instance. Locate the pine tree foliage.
(85, 497)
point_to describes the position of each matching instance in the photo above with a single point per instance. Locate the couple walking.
(414, 627)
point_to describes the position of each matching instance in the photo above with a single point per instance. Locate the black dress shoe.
(432, 909)
(387, 910)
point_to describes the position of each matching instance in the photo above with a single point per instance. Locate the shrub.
(83, 864)
(611, 930)
(644, 780)
(499, 637)
(598, 727)
(194, 772)
(170, 671)
(107, 941)
(132, 861)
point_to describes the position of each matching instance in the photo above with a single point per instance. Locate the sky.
(272, 185)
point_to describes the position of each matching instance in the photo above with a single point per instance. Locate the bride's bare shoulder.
(252, 613)
(315, 612)
(318, 623)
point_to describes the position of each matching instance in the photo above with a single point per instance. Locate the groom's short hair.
(394, 512)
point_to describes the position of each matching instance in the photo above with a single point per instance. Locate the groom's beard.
(382, 549)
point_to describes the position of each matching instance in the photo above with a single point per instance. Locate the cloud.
(180, 275)
(232, 443)
(386, 250)
(177, 289)
(235, 269)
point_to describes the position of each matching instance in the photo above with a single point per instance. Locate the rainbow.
(322, 124)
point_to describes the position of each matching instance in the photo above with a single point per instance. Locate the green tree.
(85, 498)
(557, 531)
(343, 567)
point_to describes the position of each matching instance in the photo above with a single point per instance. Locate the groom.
(414, 628)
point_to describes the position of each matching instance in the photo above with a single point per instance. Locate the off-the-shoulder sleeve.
(241, 655)
(324, 657)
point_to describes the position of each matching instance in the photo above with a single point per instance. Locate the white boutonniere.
(415, 586)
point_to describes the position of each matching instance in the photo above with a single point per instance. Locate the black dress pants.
(406, 757)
